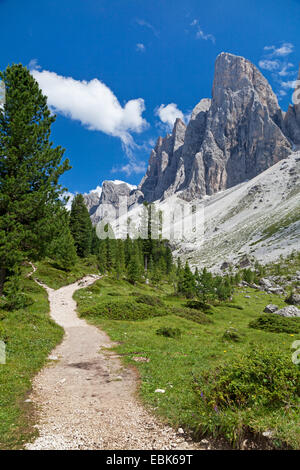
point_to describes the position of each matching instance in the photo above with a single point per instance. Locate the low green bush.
(148, 300)
(3, 333)
(198, 305)
(276, 323)
(232, 397)
(267, 378)
(190, 314)
(232, 334)
(238, 307)
(123, 310)
(169, 332)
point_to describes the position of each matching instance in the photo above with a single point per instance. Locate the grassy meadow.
(187, 366)
(30, 335)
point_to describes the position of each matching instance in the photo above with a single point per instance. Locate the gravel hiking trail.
(85, 398)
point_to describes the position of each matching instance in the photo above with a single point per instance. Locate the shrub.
(123, 310)
(233, 334)
(276, 323)
(198, 305)
(169, 332)
(238, 307)
(259, 378)
(3, 333)
(190, 314)
(15, 297)
(148, 300)
(232, 397)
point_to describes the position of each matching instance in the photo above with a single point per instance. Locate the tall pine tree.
(30, 168)
(81, 226)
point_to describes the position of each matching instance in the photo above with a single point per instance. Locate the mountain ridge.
(230, 139)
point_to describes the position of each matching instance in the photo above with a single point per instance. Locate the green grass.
(276, 323)
(53, 276)
(29, 335)
(177, 364)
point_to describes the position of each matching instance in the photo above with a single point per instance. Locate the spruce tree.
(205, 286)
(30, 168)
(64, 251)
(134, 270)
(102, 257)
(81, 226)
(187, 285)
(95, 243)
(120, 254)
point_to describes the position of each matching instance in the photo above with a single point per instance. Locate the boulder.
(266, 283)
(290, 311)
(293, 299)
(271, 308)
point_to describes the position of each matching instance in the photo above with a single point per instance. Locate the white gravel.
(86, 399)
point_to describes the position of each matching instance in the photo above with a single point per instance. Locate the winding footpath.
(85, 398)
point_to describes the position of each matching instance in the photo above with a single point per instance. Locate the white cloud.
(200, 33)
(97, 190)
(93, 104)
(147, 25)
(284, 50)
(33, 64)
(282, 93)
(284, 71)
(169, 113)
(131, 186)
(70, 197)
(289, 85)
(134, 166)
(269, 64)
(140, 47)
(275, 60)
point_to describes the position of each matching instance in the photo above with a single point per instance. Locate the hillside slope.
(260, 218)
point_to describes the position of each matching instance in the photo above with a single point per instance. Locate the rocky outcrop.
(271, 308)
(293, 299)
(92, 201)
(114, 197)
(229, 139)
(164, 173)
(292, 118)
(290, 311)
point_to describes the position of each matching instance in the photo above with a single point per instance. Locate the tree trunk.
(2, 279)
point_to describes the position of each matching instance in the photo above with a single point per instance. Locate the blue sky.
(118, 72)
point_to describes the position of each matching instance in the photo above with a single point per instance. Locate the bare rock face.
(229, 139)
(290, 311)
(232, 138)
(292, 118)
(113, 196)
(92, 201)
(164, 169)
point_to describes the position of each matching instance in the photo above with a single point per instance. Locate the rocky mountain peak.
(292, 117)
(237, 74)
(231, 138)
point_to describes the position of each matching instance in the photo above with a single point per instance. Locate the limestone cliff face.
(107, 204)
(292, 118)
(164, 169)
(233, 137)
(230, 138)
